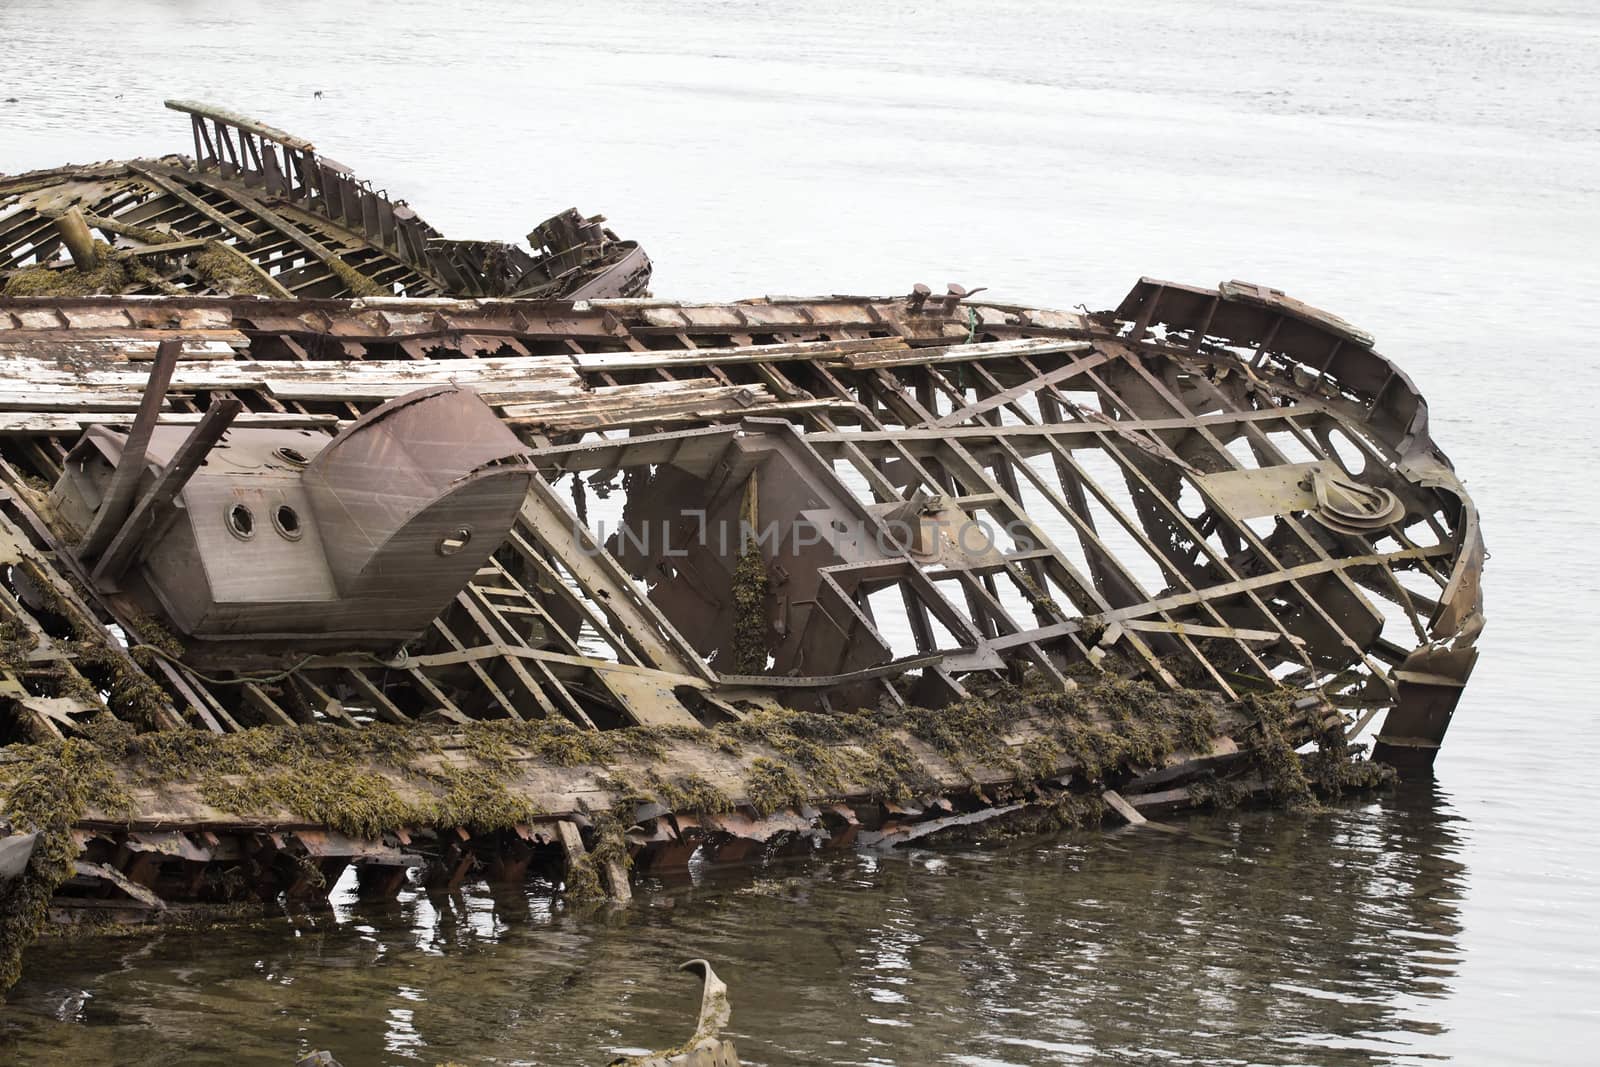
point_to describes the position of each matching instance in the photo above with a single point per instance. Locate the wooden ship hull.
(257, 210)
(739, 579)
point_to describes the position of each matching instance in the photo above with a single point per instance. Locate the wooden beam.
(130, 465)
(153, 505)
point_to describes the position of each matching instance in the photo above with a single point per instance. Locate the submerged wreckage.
(448, 561)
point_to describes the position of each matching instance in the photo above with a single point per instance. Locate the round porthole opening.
(291, 456)
(455, 540)
(241, 522)
(287, 520)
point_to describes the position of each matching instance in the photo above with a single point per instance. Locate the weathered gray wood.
(79, 241)
(148, 512)
(130, 465)
(50, 423)
(1115, 802)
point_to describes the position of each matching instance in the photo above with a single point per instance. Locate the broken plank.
(14, 423)
(702, 357)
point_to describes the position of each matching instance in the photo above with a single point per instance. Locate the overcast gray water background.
(1426, 170)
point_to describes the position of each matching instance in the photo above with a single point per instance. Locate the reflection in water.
(1263, 938)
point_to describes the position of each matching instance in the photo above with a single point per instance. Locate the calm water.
(1427, 170)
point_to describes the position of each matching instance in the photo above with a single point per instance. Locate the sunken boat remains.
(447, 587)
(257, 210)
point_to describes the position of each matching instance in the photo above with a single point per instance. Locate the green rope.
(972, 325)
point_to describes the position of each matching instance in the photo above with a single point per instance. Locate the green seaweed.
(111, 276)
(772, 786)
(227, 271)
(751, 587)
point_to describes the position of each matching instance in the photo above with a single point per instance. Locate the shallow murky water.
(1427, 169)
(1263, 939)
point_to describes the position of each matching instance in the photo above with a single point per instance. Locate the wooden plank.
(1115, 802)
(56, 348)
(152, 507)
(289, 379)
(68, 400)
(911, 357)
(25, 423)
(130, 467)
(698, 357)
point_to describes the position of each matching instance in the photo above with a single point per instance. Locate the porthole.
(241, 522)
(287, 522)
(292, 456)
(455, 540)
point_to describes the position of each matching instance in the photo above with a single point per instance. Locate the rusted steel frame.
(941, 608)
(499, 695)
(910, 576)
(417, 275)
(381, 704)
(604, 581)
(1218, 559)
(1240, 527)
(83, 618)
(151, 508)
(582, 604)
(1402, 599)
(1007, 396)
(170, 181)
(914, 578)
(1034, 650)
(256, 698)
(330, 706)
(893, 438)
(1266, 447)
(131, 465)
(1094, 549)
(326, 255)
(512, 650)
(976, 474)
(932, 378)
(831, 595)
(1066, 463)
(492, 636)
(1072, 486)
(1395, 529)
(234, 165)
(882, 488)
(511, 586)
(881, 383)
(1032, 565)
(1240, 586)
(427, 685)
(1089, 536)
(1371, 455)
(884, 491)
(1312, 445)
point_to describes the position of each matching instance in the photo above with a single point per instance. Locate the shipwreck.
(446, 560)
